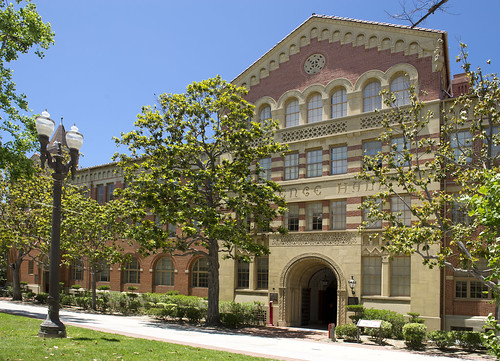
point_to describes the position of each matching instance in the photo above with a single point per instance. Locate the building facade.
(322, 83)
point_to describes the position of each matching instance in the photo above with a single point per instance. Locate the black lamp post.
(52, 326)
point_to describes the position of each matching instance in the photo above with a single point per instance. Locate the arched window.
(77, 270)
(292, 114)
(164, 272)
(199, 273)
(339, 104)
(265, 113)
(131, 271)
(400, 87)
(314, 109)
(371, 97)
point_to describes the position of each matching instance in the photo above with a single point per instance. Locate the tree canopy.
(190, 165)
(21, 29)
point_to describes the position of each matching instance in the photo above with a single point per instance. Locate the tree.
(190, 165)
(419, 10)
(94, 234)
(21, 29)
(421, 169)
(25, 215)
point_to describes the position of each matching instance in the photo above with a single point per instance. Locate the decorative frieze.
(313, 239)
(313, 131)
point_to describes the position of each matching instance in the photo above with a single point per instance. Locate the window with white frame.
(243, 278)
(401, 209)
(400, 148)
(291, 166)
(292, 113)
(164, 272)
(338, 159)
(314, 216)
(339, 104)
(265, 169)
(265, 113)
(371, 149)
(467, 287)
(401, 276)
(338, 214)
(199, 273)
(461, 146)
(371, 269)
(292, 218)
(132, 271)
(262, 264)
(314, 109)
(314, 159)
(371, 97)
(400, 88)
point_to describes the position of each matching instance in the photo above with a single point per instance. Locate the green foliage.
(349, 332)
(385, 327)
(234, 314)
(42, 297)
(468, 340)
(103, 287)
(414, 318)
(358, 312)
(491, 337)
(204, 137)
(442, 339)
(76, 287)
(22, 29)
(397, 320)
(414, 335)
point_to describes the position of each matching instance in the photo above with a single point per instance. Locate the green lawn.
(19, 341)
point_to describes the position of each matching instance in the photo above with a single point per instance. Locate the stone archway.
(313, 278)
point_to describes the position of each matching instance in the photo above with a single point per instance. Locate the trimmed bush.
(469, 340)
(358, 312)
(414, 335)
(397, 320)
(349, 332)
(415, 318)
(442, 339)
(246, 313)
(42, 297)
(104, 288)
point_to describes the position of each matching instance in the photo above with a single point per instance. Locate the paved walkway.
(282, 348)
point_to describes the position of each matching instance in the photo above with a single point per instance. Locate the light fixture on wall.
(352, 284)
(324, 283)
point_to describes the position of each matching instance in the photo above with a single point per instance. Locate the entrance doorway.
(320, 308)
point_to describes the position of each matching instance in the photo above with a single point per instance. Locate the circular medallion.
(314, 64)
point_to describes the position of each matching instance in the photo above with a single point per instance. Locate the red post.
(271, 323)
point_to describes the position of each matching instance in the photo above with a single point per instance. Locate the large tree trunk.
(213, 318)
(16, 280)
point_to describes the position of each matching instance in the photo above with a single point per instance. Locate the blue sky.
(112, 56)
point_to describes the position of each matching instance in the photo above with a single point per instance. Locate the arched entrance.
(312, 292)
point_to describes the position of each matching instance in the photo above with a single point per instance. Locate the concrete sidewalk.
(277, 348)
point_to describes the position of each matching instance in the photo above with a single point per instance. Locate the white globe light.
(74, 138)
(44, 125)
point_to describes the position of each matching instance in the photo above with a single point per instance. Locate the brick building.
(323, 82)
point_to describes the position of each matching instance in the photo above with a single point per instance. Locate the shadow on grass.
(110, 339)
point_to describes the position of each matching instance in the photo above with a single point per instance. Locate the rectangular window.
(103, 276)
(371, 268)
(100, 193)
(338, 159)
(400, 149)
(459, 213)
(478, 290)
(314, 213)
(110, 187)
(376, 223)
(401, 276)
(265, 169)
(461, 289)
(243, 274)
(371, 149)
(314, 163)
(292, 218)
(338, 215)
(262, 272)
(172, 229)
(31, 267)
(461, 146)
(291, 166)
(400, 207)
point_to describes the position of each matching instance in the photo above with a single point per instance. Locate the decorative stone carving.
(438, 58)
(313, 239)
(314, 64)
(313, 131)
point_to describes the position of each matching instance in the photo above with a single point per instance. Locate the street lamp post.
(52, 326)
